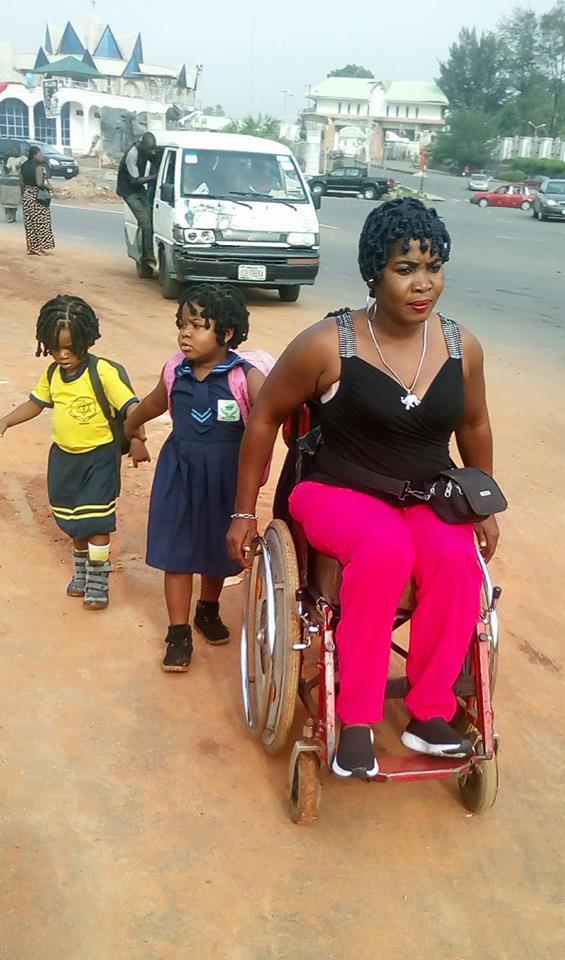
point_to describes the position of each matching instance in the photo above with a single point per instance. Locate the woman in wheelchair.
(394, 381)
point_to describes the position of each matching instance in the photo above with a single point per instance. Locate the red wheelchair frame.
(292, 602)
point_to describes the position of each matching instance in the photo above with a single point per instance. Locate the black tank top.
(366, 423)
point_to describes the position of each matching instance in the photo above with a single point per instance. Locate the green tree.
(352, 70)
(552, 61)
(262, 125)
(473, 75)
(468, 141)
(527, 87)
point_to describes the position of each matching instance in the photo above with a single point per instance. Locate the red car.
(515, 195)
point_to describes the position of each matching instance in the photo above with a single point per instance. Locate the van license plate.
(252, 272)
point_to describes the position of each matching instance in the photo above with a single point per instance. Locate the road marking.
(328, 226)
(88, 209)
(523, 239)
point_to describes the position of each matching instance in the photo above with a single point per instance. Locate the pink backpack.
(237, 381)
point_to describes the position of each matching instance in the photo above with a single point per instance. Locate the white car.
(478, 181)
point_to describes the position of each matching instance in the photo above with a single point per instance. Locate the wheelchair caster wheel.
(305, 789)
(479, 787)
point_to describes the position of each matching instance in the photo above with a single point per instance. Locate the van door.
(164, 203)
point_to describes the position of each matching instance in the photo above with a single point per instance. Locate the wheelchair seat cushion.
(325, 575)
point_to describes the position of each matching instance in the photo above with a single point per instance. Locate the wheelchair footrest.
(419, 768)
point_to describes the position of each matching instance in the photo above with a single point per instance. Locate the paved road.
(505, 276)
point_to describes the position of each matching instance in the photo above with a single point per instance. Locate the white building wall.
(84, 128)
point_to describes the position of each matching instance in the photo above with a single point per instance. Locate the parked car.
(549, 203)
(478, 181)
(515, 195)
(350, 181)
(59, 164)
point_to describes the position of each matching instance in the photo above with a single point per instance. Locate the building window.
(397, 111)
(66, 124)
(388, 110)
(14, 119)
(358, 109)
(45, 127)
(417, 112)
(349, 107)
(407, 111)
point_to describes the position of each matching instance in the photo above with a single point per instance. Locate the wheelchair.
(289, 656)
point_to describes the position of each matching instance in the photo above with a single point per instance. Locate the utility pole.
(252, 68)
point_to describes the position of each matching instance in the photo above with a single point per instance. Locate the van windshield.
(555, 186)
(225, 174)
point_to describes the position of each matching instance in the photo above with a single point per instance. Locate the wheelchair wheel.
(479, 787)
(270, 665)
(304, 788)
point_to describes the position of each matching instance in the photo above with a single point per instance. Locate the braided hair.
(396, 223)
(222, 303)
(66, 313)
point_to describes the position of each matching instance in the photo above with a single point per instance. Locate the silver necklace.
(410, 399)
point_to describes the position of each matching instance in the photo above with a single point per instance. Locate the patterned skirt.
(37, 222)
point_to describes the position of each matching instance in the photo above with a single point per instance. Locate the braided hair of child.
(70, 313)
(394, 225)
(224, 304)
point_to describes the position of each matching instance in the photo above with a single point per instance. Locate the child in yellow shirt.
(83, 475)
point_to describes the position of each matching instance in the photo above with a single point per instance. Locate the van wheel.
(317, 189)
(143, 269)
(289, 294)
(370, 193)
(170, 288)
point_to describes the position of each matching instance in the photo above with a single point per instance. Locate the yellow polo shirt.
(78, 422)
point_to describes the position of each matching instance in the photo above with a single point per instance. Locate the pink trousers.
(380, 548)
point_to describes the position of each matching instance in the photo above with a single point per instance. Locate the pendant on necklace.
(410, 400)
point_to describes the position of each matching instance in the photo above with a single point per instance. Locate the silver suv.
(550, 201)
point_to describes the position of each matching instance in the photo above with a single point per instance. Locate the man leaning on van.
(131, 187)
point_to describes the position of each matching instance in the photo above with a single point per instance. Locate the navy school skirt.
(83, 489)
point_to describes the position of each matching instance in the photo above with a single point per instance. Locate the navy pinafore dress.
(195, 481)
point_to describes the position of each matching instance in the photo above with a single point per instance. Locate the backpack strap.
(237, 382)
(169, 371)
(50, 371)
(101, 398)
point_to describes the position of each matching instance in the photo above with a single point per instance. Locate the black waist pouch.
(466, 495)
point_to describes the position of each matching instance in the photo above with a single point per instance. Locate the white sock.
(97, 553)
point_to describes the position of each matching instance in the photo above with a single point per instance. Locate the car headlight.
(188, 235)
(551, 203)
(301, 239)
(54, 163)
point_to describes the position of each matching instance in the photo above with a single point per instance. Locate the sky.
(261, 56)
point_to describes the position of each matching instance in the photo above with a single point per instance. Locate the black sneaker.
(207, 620)
(179, 649)
(437, 738)
(355, 756)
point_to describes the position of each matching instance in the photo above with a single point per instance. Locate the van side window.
(170, 169)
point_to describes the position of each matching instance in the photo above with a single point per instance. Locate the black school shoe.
(436, 738)
(355, 756)
(179, 649)
(208, 621)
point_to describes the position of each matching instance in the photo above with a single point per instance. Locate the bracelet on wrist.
(244, 516)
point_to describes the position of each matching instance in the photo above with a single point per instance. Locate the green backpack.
(116, 423)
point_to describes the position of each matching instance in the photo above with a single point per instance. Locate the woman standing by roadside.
(36, 200)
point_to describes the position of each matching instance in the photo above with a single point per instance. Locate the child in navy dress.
(193, 493)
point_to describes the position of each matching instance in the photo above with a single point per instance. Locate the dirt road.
(138, 819)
